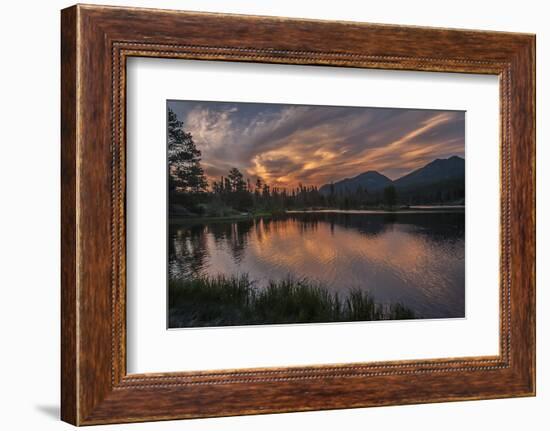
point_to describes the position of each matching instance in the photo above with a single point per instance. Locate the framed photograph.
(268, 215)
(257, 203)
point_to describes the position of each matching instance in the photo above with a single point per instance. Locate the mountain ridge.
(437, 170)
(370, 180)
(436, 179)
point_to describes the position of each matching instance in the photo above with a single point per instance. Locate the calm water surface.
(413, 258)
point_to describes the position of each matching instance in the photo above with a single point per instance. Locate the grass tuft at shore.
(235, 300)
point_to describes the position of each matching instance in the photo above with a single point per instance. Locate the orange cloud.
(288, 145)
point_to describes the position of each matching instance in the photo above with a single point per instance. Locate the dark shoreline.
(411, 210)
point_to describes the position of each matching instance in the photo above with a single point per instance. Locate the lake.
(413, 258)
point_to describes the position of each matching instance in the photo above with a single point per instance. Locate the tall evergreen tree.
(237, 180)
(185, 171)
(258, 189)
(265, 191)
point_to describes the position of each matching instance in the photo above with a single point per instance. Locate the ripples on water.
(416, 259)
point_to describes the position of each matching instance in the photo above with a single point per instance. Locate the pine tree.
(258, 189)
(186, 173)
(236, 180)
(265, 191)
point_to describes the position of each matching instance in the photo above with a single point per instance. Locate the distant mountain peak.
(371, 173)
(437, 170)
(451, 158)
(369, 180)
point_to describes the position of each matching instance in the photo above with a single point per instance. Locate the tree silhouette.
(236, 180)
(185, 172)
(258, 189)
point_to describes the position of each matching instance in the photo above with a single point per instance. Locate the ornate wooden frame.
(95, 42)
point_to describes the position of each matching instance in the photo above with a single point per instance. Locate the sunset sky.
(313, 145)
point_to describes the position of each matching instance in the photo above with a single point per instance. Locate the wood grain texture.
(69, 397)
(96, 41)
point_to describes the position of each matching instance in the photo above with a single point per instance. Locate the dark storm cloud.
(313, 145)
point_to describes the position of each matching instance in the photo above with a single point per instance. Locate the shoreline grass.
(235, 300)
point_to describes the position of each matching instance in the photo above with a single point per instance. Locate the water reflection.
(416, 259)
